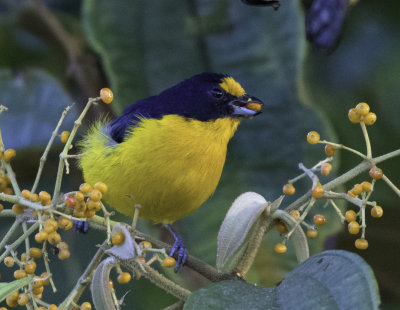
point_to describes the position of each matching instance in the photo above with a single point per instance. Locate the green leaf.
(100, 287)
(328, 280)
(10, 287)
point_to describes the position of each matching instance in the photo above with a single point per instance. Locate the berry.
(23, 299)
(102, 187)
(9, 261)
(169, 262)
(64, 136)
(281, 227)
(52, 307)
(142, 259)
(79, 196)
(280, 248)
(313, 137)
(93, 205)
(95, 195)
(146, 245)
(362, 108)
(376, 173)
(11, 303)
(288, 189)
(18, 209)
(85, 188)
(350, 216)
(65, 223)
(41, 236)
(54, 238)
(326, 169)
(70, 201)
(26, 194)
(30, 267)
(312, 233)
(295, 214)
(86, 306)
(361, 244)
(118, 238)
(351, 194)
(377, 212)
(9, 154)
(19, 274)
(51, 223)
(353, 227)
(14, 295)
(366, 186)
(106, 95)
(370, 118)
(111, 284)
(330, 150)
(318, 191)
(354, 117)
(1, 207)
(64, 254)
(23, 257)
(124, 278)
(81, 207)
(38, 290)
(34, 198)
(319, 219)
(357, 189)
(44, 197)
(35, 252)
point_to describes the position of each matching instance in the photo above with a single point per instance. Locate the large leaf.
(328, 280)
(8, 288)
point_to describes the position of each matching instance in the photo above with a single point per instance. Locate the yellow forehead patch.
(232, 87)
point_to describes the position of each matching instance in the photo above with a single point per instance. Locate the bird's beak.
(246, 106)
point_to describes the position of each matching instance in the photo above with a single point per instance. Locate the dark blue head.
(204, 97)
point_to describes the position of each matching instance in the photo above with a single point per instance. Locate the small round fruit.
(295, 214)
(357, 189)
(281, 227)
(38, 289)
(86, 306)
(70, 201)
(11, 303)
(51, 223)
(377, 211)
(18, 209)
(23, 257)
(64, 136)
(280, 248)
(1, 207)
(81, 207)
(326, 169)
(41, 236)
(44, 196)
(19, 274)
(34, 198)
(26, 194)
(124, 278)
(52, 307)
(376, 173)
(118, 238)
(169, 262)
(102, 187)
(9, 154)
(313, 137)
(9, 261)
(312, 233)
(288, 189)
(85, 188)
(353, 227)
(350, 216)
(370, 118)
(95, 195)
(79, 196)
(65, 223)
(361, 244)
(362, 108)
(354, 117)
(366, 186)
(64, 254)
(318, 191)
(30, 268)
(106, 95)
(319, 219)
(54, 238)
(330, 150)
(14, 295)
(93, 205)
(23, 299)
(35, 252)
(146, 245)
(111, 284)
(351, 194)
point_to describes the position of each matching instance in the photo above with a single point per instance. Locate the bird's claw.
(181, 250)
(81, 226)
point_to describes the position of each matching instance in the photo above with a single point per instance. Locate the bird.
(168, 151)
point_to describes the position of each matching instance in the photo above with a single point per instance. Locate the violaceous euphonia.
(168, 150)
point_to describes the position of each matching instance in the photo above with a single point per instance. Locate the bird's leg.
(179, 247)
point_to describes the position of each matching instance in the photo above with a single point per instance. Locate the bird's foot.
(81, 226)
(179, 248)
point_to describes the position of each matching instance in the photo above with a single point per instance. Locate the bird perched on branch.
(168, 151)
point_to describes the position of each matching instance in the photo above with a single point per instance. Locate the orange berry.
(86, 306)
(9, 261)
(169, 262)
(318, 191)
(65, 223)
(142, 259)
(38, 290)
(361, 244)
(366, 186)
(30, 267)
(312, 233)
(370, 118)
(295, 214)
(288, 189)
(11, 303)
(111, 284)
(357, 189)
(118, 238)
(41, 236)
(106, 95)
(64, 136)
(51, 223)
(14, 295)
(376, 173)
(280, 248)
(326, 169)
(19, 274)
(23, 299)
(80, 207)
(35, 252)
(44, 196)
(85, 188)
(319, 219)
(377, 212)
(34, 198)
(70, 201)
(124, 278)
(54, 238)
(64, 254)
(26, 194)
(330, 150)
(351, 194)
(354, 117)
(281, 227)
(18, 209)
(9, 154)
(102, 187)
(350, 216)
(78, 214)
(93, 205)
(52, 307)
(353, 227)
(96, 195)
(362, 108)
(313, 137)
(79, 196)
(23, 257)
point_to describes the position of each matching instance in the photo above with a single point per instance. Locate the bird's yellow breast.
(170, 165)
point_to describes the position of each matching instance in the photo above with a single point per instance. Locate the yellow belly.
(170, 166)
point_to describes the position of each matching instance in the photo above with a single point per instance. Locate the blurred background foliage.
(56, 52)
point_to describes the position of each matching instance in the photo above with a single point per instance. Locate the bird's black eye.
(217, 93)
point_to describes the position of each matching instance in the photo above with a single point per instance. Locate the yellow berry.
(95, 195)
(64, 136)
(9, 261)
(330, 150)
(11, 303)
(357, 189)
(106, 95)
(37, 289)
(19, 274)
(295, 214)
(85, 188)
(41, 236)
(63, 246)
(288, 189)
(319, 219)
(361, 244)
(34, 198)
(26, 194)
(30, 268)
(281, 227)
(280, 248)
(44, 197)
(146, 245)
(35, 252)
(18, 209)
(312, 233)
(14, 295)
(23, 299)
(93, 205)
(362, 108)
(351, 194)
(353, 227)
(377, 211)
(80, 207)
(350, 216)
(169, 262)
(313, 137)
(370, 118)
(124, 278)
(102, 187)
(326, 169)
(1, 207)
(376, 173)
(23, 257)
(86, 306)
(354, 117)
(78, 214)
(64, 254)
(52, 307)
(54, 238)
(366, 186)
(118, 238)
(51, 223)
(318, 191)
(9, 154)
(79, 196)
(65, 223)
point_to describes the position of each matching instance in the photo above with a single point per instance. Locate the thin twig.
(47, 266)
(10, 232)
(341, 146)
(366, 138)
(391, 185)
(338, 211)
